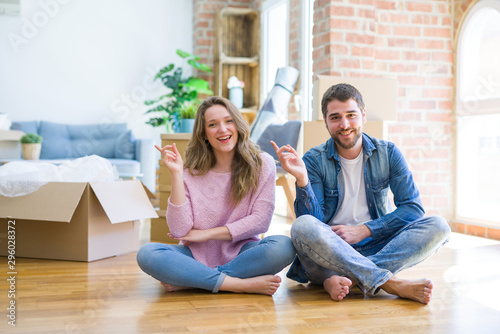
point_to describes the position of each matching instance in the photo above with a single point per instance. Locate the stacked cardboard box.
(159, 227)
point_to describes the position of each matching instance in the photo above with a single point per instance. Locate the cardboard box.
(159, 229)
(315, 132)
(10, 146)
(379, 94)
(76, 221)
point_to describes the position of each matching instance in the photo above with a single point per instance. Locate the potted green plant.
(182, 100)
(31, 145)
(187, 114)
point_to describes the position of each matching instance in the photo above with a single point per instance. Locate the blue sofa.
(111, 141)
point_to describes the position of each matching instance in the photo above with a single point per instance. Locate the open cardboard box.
(76, 221)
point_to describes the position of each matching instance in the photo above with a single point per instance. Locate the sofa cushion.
(99, 139)
(125, 146)
(66, 141)
(56, 143)
(26, 127)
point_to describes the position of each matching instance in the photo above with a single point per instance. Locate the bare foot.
(265, 285)
(172, 288)
(417, 290)
(337, 287)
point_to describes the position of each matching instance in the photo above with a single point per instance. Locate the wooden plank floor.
(114, 296)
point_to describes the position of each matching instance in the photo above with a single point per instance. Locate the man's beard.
(350, 144)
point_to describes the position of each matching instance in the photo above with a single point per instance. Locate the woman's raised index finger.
(174, 149)
(278, 149)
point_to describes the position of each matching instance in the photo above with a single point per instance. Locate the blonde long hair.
(247, 162)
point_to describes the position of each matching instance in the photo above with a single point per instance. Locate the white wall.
(89, 61)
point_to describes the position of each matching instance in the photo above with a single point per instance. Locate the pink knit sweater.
(207, 206)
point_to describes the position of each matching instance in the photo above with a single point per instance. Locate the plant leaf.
(199, 66)
(184, 55)
(164, 70)
(173, 81)
(156, 121)
(182, 98)
(151, 102)
(198, 85)
(159, 108)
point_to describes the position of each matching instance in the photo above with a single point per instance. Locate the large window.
(478, 115)
(275, 50)
(275, 38)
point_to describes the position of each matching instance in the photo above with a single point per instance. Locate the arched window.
(478, 115)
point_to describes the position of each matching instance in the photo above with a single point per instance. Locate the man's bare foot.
(265, 285)
(417, 290)
(172, 288)
(337, 287)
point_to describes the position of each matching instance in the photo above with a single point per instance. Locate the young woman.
(222, 198)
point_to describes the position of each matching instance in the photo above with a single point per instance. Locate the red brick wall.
(295, 33)
(410, 41)
(295, 47)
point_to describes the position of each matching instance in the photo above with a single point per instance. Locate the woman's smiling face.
(220, 130)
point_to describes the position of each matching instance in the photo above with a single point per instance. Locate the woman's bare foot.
(337, 287)
(172, 288)
(417, 290)
(265, 285)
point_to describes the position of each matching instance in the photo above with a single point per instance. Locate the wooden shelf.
(250, 61)
(236, 53)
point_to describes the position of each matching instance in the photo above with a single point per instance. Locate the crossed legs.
(328, 260)
(252, 271)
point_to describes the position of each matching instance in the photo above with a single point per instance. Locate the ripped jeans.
(321, 253)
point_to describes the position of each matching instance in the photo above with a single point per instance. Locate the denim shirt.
(384, 168)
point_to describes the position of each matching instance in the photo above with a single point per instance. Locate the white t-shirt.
(354, 209)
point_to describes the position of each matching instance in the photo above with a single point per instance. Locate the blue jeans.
(369, 263)
(175, 265)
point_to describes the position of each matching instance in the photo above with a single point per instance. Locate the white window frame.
(266, 7)
(306, 60)
(478, 106)
(486, 106)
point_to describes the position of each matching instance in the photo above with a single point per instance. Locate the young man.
(346, 233)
